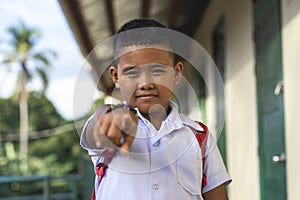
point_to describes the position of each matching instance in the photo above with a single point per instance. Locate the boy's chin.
(153, 110)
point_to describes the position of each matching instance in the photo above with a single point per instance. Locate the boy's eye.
(132, 73)
(158, 71)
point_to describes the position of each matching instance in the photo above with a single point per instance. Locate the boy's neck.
(157, 116)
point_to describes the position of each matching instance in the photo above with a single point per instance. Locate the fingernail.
(98, 144)
(124, 152)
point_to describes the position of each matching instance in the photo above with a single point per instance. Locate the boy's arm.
(91, 127)
(218, 193)
(215, 172)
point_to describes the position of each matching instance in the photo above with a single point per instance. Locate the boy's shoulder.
(196, 125)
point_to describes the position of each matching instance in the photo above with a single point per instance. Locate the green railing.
(45, 190)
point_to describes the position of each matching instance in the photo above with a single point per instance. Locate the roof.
(93, 21)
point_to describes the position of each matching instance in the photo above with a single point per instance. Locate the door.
(268, 53)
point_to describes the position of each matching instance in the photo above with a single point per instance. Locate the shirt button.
(156, 144)
(156, 186)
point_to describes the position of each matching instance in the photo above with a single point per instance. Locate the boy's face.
(146, 77)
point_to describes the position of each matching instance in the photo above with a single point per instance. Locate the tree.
(43, 116)
(53, 145)
(24, 54)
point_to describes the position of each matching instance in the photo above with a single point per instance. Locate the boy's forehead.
(140, 55)
(127, 49)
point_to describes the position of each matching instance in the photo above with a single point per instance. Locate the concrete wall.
(204, 37)
(291, 75)
(240, 93)
(241, 102)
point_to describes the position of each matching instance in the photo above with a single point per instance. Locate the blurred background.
(44, 46)
(40, 156)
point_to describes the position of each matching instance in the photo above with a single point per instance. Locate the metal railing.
(47, 183)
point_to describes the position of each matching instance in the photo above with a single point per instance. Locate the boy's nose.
(146, 81)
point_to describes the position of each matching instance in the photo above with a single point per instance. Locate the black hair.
(140, 23)
(142, 31)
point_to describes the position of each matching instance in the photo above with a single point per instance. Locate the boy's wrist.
(113, 107)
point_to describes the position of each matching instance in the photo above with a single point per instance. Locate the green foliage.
(9, 116)
(42, 113)
(56, 153)
(59, 154)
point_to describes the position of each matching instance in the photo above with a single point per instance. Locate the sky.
(48, 18)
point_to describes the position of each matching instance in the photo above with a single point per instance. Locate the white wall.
(240, 93)
(204, 37)
(242, 137)
(291, 76)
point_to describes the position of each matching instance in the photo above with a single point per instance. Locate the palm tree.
(23, 53)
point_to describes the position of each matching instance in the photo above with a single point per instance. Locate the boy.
(149, 147)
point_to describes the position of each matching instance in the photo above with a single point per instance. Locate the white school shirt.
(162, 164)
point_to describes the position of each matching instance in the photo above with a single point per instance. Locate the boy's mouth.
(147, 96)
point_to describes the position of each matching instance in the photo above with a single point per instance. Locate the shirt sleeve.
(96, 154)
(214, 168)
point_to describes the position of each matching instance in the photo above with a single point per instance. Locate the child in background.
(149, 147)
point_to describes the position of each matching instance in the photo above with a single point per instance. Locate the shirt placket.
(156, 182)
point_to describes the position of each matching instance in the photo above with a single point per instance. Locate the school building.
(256, 46)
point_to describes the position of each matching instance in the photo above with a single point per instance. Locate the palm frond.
(23, 37)
(43, 75)
(45, 57)
(9, 59)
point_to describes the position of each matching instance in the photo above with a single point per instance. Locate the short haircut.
(140, 23)
(142, 32)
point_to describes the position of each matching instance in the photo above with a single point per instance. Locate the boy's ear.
(114, 75)
(178, 72)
